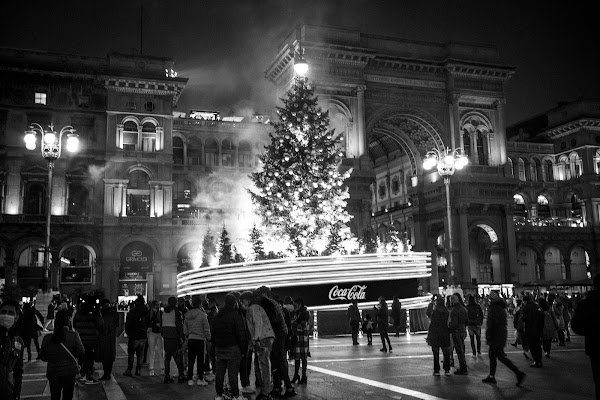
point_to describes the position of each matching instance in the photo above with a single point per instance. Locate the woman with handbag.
(64, 353)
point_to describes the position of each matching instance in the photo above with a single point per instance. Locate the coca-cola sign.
(355, 292)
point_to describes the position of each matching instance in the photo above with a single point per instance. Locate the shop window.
(78, 196)
(34, 202)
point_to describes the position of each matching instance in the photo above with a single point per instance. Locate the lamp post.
(51, 147)
(300, 64)
(447, 162)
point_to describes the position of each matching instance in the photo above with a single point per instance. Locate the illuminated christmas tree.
(208, 248)
(224, 247)
(258, 248)
(300, 191)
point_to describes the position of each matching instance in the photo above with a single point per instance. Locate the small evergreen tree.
(334, 244)
(224, 247)
(258, 248)
(208, 248)
(368, 242)
(237, 257)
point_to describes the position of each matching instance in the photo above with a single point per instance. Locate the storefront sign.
(132, 288)
(345, 292)
(136, 261)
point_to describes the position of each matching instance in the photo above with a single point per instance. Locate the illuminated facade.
(396, 99)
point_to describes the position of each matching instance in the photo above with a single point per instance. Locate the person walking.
(558, 309)
(31, 327)
(209, 366)
(155, 340)
(260, 337)
(474, 322)
(585, 322)
(353, 316)
(382, 323)
(458, 330)
(550, 326)
(368, 326)
(197, 332)
(495, 335)
(135, 328)
(300, 347)
(89, 324)
(229, 333)
(50, 316)
(172, 333)
(108, 341)
(64, 352)
(438, 336)
(567, 312)
(11, 351)
(533, 325)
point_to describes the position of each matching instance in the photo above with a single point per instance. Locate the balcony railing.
(525, 223)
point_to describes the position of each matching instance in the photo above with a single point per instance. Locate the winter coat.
(438, 334)
(585, 322)
(171, 324)
(30, 327)
(108, 338)
(458, 319)
(11, 363)
(89, 325)
(533, 319)
(396, 313)
(137, 322)
(496, 331)
(558, 310)
(276, 317)
(353, 314)
(195, 325)
(549, 331)
(474, 315)
(258, 323)
(60, 363)
(229, 329)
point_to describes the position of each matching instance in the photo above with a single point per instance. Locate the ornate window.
(34, 202)
(78, 199)
(211, 153)
(130, 135)
(227, 153)
(138, 194)
(520, 209)
(148, 137)
(77, 265)
(395, 184)
(543, 207)
(178, 156)
(564, 168)
(382, 190)
(576, 165)
(547, 171)
(597, 162)
(521, 169)
(245, 155)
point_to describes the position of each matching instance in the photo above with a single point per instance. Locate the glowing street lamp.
(300, 64)
(51, 148)
(447, 162)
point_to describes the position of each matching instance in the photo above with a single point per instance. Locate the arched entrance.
(580, 262)
(189, 257)
(554, 269)
(135, 262)
(528, 265)
(484, 256)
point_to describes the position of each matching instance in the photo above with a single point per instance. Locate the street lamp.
(51, 147)
(300, 64)
(447, 161)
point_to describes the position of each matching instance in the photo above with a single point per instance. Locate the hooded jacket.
(496, 331)
(171, 323)
(195, 325)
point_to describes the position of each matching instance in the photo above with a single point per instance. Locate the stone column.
(497, 153)
(455, 134)
(510, 244)
(360, 119)
(468, 271)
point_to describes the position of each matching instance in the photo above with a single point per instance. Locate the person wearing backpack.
(135, 328)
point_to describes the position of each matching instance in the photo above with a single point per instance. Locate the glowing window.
(519, 199)
(542, 200)
(40, 98)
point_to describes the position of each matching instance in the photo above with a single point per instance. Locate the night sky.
(224, 46)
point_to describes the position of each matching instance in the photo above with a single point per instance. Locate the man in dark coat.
(136, 325)
(89, 324)
(458, 330)
(108, 341)
(30, 328)
(495, 336)
(585, 322)
(229, 333)
(438, 336)
(171, 322)
(11, 352)
(353, 316)
(533, 324)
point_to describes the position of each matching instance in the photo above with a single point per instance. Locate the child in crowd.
(368, 328)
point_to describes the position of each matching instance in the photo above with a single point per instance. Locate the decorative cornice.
(481, 71)
(573, 127)
(131, 85)
(405, 81)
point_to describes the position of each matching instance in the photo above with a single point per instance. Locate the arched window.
(78, 199)
(194, 151)
(597, 162)
(536, 168)
(77, 265)
(547, 171)
(34, 202)
(130, 135)
(575, 165)
(481, 149)
(467, 142)
(178, 150)
(543, 207)
(520, 209)
(245, 155)
(211, 152)
(511, 167)
(564, 168)
(521, 169)
(576, 206)
(148, 137)
(138, 194)
(33, 256)
(227, 153)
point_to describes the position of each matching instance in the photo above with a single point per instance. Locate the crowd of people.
(258, 329)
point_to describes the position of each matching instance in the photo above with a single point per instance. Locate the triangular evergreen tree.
(299, 191)
(368, 242)
(224, 247)
(258, 248)
(237, 257)
(208, 248)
